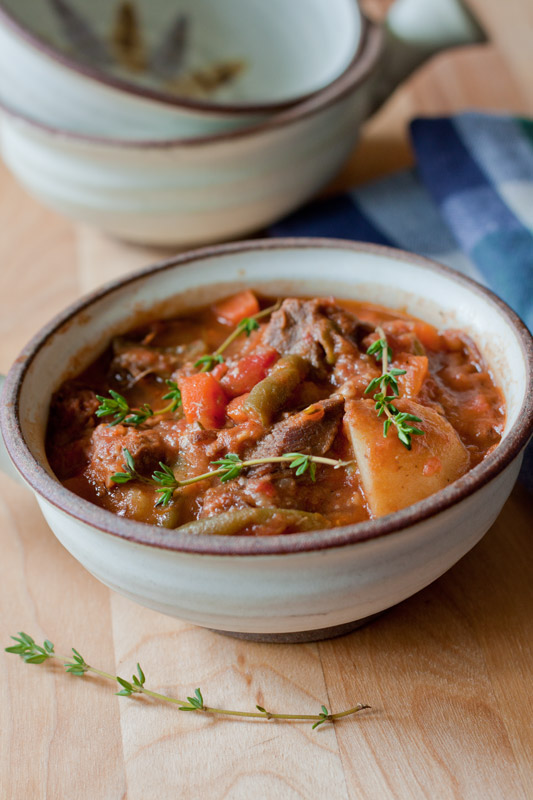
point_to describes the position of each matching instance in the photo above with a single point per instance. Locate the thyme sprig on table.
(117, 405)
(387, 384)
(32, 653)
(247, 326)
(228, 468)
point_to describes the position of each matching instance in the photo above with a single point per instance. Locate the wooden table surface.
(447, 673)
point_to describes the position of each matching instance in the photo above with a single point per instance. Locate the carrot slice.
(236, 308)
(203, 400)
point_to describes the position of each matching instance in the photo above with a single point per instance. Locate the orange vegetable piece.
(204, 400)
(236, 410)
(428, 335)
(236, 308)
(417, 369)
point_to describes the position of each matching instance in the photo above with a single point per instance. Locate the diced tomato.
(204, 400)
(428, 335)
(235, 410)
(248, 371)
(416, 371)
(236, 308)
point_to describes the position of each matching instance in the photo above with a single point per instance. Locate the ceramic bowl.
(288, 588)
(85, 67)
(189, 191)
(192, 191)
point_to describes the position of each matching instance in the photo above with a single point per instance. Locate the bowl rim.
(166, 98)
(140, 533)
(370, 49)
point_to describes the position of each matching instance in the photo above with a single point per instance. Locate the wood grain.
(448, 672)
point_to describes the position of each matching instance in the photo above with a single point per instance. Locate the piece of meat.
(312, 329)
(135, 360)
(392, 476)
(311, 431)
(106, 453)
(71, 421)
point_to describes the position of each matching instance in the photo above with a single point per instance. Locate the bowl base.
(300, 637)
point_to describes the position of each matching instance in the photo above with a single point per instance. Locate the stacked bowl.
(185, 122)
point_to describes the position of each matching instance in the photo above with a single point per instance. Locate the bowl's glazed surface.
(281, 585)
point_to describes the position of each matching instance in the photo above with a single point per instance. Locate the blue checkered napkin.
(479, 171)
(468, 204)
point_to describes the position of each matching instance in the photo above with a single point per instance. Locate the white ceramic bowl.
(295, 587)
(57, 64)
(192, 191)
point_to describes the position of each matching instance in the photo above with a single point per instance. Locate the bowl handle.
(6, 464)
(414, 31)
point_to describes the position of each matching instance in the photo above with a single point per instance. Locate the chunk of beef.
(106, 453)
(314, 329)
(135, 360)
(311, 431)
(71, 422)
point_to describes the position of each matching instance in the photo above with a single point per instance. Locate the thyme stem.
(33, 653)
(248, 324)
(383, 400)
(229, 467)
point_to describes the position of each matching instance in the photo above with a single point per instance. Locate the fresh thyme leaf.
(116, 404)
(165, 476)
(324, 716)
(230, 467)
(248, 325)
(208, 362)
(165, 498)
(142, 678)
(174, 394)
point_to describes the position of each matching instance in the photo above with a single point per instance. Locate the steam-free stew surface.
(295, 384)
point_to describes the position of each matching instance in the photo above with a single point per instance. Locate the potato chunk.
(393, 476)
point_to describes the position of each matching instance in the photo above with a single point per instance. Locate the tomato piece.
(248, 371)
(236, 308)
(235, 410)
(204, 400)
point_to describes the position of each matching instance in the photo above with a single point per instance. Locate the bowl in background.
(189, 191)
(285, 588)
(126, 69)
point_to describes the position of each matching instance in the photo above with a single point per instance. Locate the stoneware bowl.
(84, 67)
(189, 191)
(87, 66)
(287, 588)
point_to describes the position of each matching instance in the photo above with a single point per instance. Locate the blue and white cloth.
(468, 203)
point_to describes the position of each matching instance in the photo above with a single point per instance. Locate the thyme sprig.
(387, 384)
(117, 405)
(228, 468)
(32, 653)
(247, 326)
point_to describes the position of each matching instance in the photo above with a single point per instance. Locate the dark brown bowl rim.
(370, 48)
(167, 99)
(137, 532)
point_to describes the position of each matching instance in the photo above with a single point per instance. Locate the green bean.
(270, 394)
(233, 522)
